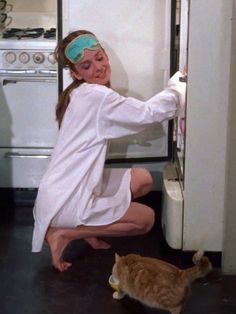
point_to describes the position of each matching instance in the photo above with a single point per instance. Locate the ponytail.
(64, 100)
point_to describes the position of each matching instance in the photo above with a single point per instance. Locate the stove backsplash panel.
(32, 13)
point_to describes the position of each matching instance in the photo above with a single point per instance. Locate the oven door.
(28, 112)
(27, 129)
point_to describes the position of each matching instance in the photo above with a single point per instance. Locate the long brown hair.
(61, 58)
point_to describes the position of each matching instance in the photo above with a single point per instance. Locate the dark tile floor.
(29, 285)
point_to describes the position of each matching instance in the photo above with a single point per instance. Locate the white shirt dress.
(76, 189)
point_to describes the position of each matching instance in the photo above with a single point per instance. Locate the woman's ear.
(75, 75)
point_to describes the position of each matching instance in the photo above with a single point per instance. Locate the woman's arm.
(120, 116)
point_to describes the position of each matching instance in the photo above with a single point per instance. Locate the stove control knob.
(24, 57)
(10, 57)
(38, 57)
(51, 58)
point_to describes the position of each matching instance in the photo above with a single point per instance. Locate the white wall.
(229, 252)
(33, 13)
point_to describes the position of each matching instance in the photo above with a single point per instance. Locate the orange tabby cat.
(156, 283)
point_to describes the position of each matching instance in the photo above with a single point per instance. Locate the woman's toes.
(62, 266)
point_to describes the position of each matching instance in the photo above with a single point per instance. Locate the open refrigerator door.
(137, 38)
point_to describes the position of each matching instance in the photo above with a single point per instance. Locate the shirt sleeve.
(119, 116)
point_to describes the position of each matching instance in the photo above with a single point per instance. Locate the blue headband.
(75, 49)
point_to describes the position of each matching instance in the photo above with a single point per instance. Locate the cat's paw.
(118, 295)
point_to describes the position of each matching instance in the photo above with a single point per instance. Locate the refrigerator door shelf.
(172, 212)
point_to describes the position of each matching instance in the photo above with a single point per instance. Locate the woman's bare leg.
(138, 219)
(141, 184)
(97, 243)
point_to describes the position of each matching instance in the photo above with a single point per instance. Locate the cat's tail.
(202, 267)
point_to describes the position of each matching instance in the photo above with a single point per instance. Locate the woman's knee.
(145, 219)
(141, 182)
(149, 220)
(139, 219)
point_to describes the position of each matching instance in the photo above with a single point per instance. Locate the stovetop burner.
(50, 33)
(19, 33)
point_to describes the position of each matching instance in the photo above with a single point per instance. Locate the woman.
(78, 198)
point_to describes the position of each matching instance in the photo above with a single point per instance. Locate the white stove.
(23, 55)
(29, 92)
(27, 43)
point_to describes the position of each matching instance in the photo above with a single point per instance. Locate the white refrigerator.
(136, 37)
(194, 208)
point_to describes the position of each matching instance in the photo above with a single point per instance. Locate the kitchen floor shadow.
(30, 285)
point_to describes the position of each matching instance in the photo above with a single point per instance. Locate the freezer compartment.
(172, 211)
(22, 168)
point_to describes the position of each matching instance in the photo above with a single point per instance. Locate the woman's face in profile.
(94, 67)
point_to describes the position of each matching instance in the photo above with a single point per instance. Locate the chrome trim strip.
(18, 155)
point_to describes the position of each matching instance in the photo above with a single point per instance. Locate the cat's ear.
(117, 257)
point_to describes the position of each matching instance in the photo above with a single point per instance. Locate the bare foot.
(57, 243)
(97, 243)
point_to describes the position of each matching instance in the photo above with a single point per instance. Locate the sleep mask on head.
(75, 49)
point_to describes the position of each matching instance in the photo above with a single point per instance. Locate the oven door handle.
(18, 155)
(48, 72)
(16, 71)
(7, 80)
